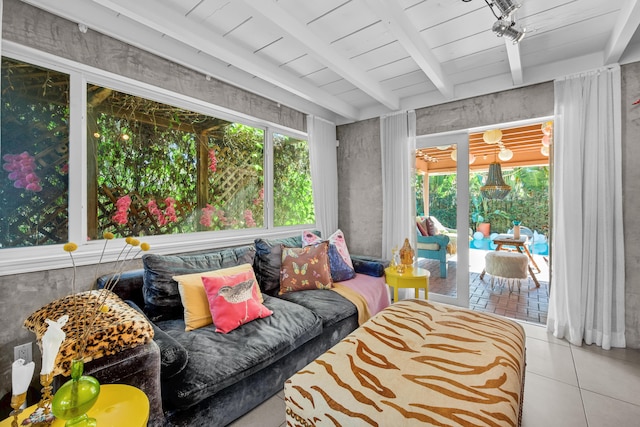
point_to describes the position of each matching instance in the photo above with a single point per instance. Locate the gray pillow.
(160, 291)
(268, 260)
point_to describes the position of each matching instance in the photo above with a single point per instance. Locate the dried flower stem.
(85, 321)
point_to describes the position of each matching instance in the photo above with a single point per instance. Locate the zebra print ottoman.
(415, 363)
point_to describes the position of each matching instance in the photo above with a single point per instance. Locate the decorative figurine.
(406, 254)
(394, 258)
(21, 374)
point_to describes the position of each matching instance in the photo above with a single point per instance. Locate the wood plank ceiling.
(349, 60)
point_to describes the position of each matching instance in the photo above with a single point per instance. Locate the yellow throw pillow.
(194, 298)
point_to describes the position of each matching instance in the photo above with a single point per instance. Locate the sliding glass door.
(442, 213)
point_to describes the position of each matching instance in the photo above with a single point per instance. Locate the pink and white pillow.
(337, 239)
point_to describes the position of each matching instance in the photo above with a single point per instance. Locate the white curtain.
(324, 173)
(587, 294)
(398, 143)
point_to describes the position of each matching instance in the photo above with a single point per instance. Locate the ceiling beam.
(624, 29)
(197, 36)
(120, 28)
(396, 20)
(515, 63)
(324, 52)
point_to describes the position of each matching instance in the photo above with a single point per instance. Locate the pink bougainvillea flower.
(21, 168)
(207, 215)
(169, 214)
(248, 218)
(213, 161)
(170, 210)
(122, 210)
(260, 197)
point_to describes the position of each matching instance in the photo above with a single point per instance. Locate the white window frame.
(38, 258)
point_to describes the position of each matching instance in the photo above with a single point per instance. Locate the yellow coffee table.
(117, 405)
(412, 277)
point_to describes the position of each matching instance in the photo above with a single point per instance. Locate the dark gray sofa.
(209, 378)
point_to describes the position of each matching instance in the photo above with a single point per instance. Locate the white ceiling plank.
(204, 9)
(400, 25)
(515, 63)
(563, 36)
(324, 52)
(623, 31)
(147, 13)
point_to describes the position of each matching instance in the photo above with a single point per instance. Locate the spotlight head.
(508, 29)
(506, 7)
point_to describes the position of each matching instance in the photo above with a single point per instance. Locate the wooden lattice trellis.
(141, 222)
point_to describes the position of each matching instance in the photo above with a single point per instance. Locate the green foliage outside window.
(178, 170)
(293, 195)
(528, 200)
(34, 150)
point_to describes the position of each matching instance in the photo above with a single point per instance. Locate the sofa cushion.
(330, 306)
(234, 300)
(305, 268)
(268, 260)
(369, 265)
(217, 361)
(339, 258)
(422, 229)
(197, 312)
(431, 227)
(161, 294)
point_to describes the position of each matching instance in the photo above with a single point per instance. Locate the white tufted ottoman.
(506, 266)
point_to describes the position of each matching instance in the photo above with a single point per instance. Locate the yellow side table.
(412, 277)
(117, 405)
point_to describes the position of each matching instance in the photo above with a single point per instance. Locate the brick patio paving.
(527, 303)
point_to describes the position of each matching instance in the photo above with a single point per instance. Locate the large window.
(150, 168)
(34, 148)
(165, 170)
(292, 182)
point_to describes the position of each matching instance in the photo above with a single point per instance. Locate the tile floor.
(565, 386)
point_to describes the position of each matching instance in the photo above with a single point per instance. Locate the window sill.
(31, 259)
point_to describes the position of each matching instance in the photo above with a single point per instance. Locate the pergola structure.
(524, 142)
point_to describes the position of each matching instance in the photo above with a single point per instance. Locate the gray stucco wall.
(360, 214)
(360, 186)
(631, 199)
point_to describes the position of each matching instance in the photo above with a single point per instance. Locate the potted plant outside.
(481, 215)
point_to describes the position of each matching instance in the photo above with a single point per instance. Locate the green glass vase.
(73, 400)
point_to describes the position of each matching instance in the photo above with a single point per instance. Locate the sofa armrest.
(137, 366)
(440, 239)
(369, 265)
(173, 356)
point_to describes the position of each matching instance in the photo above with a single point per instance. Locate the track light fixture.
(506, 7)
(505, 26)
(508, 29)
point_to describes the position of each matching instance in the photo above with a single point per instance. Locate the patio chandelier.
(495, 187)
